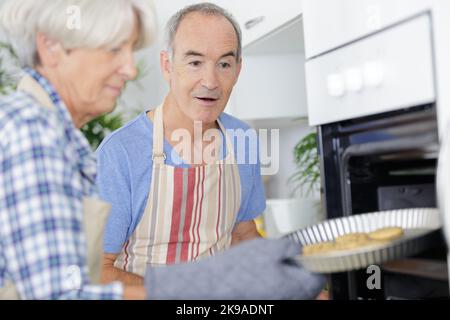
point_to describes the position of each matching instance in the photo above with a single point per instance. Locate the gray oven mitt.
(257, 269)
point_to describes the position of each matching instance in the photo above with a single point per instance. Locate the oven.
(378, 108)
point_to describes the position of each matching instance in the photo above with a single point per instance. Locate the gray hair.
(102, 24)
(206, 9)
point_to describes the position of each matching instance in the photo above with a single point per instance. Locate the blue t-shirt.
(125, 173)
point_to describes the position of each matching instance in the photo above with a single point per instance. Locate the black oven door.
(384, 162)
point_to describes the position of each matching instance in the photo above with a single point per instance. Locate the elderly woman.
(76, 61)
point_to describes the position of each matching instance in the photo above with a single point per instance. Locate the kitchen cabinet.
(270, 87)
(259, 18)
(355, 18)
(272, 81)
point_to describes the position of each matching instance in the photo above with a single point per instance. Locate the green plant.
(96, 130)
(8, 61)
(307, 178)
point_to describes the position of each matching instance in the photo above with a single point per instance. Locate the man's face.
(203, 69)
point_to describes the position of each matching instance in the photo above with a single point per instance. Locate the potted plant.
(306, 180)
(9, 69)
(305, 206)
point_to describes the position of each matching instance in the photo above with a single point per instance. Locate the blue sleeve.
(113, 180)
(254, 201)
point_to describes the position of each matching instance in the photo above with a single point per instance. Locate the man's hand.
(244, 231)
(111, 273)
(134, 293)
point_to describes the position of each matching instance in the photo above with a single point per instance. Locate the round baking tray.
(420, 227)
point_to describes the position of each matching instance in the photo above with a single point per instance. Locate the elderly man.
(47, 170)
(172, 201)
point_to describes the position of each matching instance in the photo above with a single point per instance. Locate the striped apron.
(190, 212)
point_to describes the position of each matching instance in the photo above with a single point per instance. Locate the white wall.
(276, 186)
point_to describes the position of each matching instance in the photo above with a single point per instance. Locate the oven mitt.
(255, 270)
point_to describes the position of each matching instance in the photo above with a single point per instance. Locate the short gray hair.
(205, 8)
(102, 24)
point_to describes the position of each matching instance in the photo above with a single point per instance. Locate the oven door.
(443, 189)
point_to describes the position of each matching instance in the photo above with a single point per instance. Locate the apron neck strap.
(29, 85)
(158, 155)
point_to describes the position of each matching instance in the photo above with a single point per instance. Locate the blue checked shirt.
(46, 168)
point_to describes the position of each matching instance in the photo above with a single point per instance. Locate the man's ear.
(50, 52)
(166, 65)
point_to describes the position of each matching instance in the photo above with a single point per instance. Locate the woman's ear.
(166, 65)
(49, 51)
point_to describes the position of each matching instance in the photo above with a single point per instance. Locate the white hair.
(205, 8)
(75, 24)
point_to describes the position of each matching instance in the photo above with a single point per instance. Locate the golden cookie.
(318, 248)
(386, 234)
(352, 238)
(361, 243)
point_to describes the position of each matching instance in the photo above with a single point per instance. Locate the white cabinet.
(272, 81)
(270, 87)
(258, 18)
(330, 24)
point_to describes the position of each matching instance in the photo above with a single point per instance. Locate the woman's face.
(90, 81)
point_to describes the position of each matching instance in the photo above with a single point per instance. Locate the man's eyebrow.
(191, 53)
(229, 54)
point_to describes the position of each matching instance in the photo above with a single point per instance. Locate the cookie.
(319, 248)
(361, 243)
(355, 240)
(352, 238)
(386, 234)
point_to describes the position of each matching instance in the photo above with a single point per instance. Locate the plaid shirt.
(46, 168)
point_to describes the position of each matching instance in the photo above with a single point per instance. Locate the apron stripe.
(162, 214)
(224, 200)
(220, 203)
(176, 216)
(202, 193)
(189, 205)
(182, 216)
(236, 193)
(126, 253)
(194, 227)
(156, 194)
